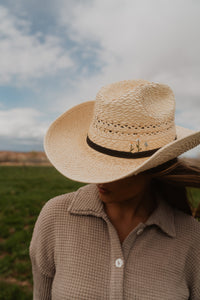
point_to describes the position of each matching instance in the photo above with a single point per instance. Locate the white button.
(140, 231)
(119, 262)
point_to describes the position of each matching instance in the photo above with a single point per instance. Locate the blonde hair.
(171, 179)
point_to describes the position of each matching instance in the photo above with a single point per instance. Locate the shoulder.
(54, 213)
(186, 222)
(188, 240)
(60, 204)
(187, 227)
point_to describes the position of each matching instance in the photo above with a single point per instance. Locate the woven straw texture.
(131, 116)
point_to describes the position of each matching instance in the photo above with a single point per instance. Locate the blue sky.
(55, 54)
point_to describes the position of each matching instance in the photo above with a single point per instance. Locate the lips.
(102, 189)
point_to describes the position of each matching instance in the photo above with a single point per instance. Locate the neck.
(131, 210)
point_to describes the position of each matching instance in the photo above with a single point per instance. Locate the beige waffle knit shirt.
(76, 253)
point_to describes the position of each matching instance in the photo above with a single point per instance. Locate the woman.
(129, 234)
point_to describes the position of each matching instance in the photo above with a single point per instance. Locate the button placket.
(117, 264)
(130, 241)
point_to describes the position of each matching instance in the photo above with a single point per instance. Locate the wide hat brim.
(66, 148)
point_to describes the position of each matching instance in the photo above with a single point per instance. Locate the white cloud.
(25, 56)
(155, 40)
(142, 38)
(22, 123)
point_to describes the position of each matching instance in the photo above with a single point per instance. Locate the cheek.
(119, 194)
(123, 192)
(131, 189)
(123, 189)
(115, 195)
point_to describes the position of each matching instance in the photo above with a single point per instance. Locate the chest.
(91, 263)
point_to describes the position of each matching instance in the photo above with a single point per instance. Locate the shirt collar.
(163, 217)
(86, 201)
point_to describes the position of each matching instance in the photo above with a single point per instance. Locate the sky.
(55, 54)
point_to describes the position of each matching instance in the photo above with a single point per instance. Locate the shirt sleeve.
(42, 285)
(195, 280)
(193, 269)
(42, 254)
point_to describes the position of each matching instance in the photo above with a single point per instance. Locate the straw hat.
(128, 129)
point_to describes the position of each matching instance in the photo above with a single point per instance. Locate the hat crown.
(130, 110)
(138, 99)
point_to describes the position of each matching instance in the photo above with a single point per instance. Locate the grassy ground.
(23, 192)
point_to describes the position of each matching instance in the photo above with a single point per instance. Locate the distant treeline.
(23, 158)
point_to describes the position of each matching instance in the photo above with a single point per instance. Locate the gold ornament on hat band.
(122, 154)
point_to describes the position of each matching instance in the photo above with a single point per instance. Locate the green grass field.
(23, 192)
